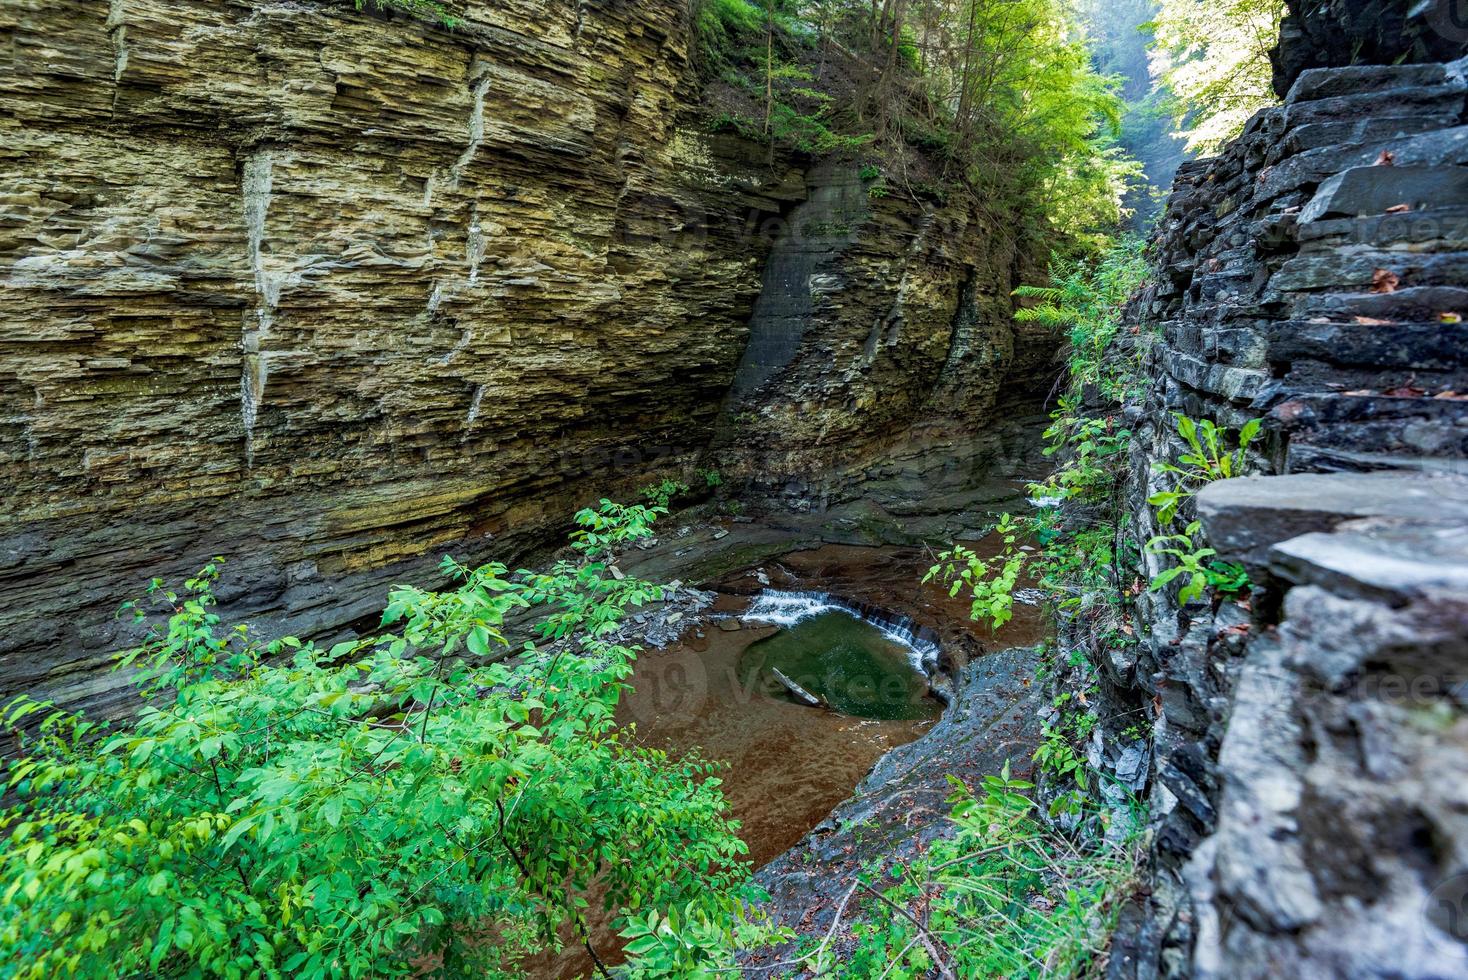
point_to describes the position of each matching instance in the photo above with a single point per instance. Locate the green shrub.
(1207, 460)
(425, 9)
(429, 795)
(662, 493)
(1005, 896)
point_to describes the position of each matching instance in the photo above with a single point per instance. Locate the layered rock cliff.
(332, 294)
(1305, 778)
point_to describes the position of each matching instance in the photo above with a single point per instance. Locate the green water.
(849, 664)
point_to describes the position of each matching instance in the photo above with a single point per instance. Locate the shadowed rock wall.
(333, 294)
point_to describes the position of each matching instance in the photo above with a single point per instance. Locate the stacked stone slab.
(1308, 813)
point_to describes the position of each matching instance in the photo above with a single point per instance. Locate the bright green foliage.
(1031, 116)
(1085, 298)
(719, 24)
(1190, 557)
(1214, 56)
(427, 797)
(1058, 752)
(1208, 460)
(1228, 578)
(1005, 896)
(661, 494)
(999, 97)
(603, 528)
(1092, 451)
(992, 591)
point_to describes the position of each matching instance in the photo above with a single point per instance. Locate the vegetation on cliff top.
(1214, 58)
(996, 98)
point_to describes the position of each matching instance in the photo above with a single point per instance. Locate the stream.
(853, 626)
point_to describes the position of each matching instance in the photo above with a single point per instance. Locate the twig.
(893, 965)
(830, 933)
(576, 918)
(944, 969)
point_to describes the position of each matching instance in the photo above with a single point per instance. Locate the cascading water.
(782, 608)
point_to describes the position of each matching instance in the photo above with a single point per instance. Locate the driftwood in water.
(800, 693)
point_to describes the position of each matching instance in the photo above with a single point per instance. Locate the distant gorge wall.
(332, 294)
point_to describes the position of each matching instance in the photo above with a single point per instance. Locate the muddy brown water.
(789, 765)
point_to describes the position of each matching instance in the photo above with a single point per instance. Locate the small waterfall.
(474, 245)
(788, 608)
(474, 401)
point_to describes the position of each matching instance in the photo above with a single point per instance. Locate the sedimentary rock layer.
(1307, 816)
(332, 294)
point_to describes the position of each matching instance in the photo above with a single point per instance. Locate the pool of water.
(790, 764)
(854, 667)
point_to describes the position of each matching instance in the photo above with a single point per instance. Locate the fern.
(1050, 294)
(426, 9)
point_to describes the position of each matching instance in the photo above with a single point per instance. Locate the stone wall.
(332, 294)
(1306, 774)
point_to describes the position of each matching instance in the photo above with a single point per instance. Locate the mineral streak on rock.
(333, 293)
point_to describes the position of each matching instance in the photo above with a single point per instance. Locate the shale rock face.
(1306, 790)
(333, 294)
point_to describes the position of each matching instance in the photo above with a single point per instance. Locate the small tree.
(426, 796)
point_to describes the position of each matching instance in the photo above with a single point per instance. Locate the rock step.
(1353, 428)
(1416, 345)
(1328, 83)
(1375, 189)
(1246, 517)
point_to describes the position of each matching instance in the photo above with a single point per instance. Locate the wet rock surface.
(332, 293)
(899, 808)
(1307, 811)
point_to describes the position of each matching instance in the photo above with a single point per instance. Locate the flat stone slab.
(1244, 518)
(1371, 190)
(1379, 559)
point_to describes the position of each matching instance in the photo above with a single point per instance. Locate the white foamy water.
(788, 608)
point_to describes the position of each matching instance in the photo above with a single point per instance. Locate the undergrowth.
(1004, 896)
(1072, 840)
(421, 9)
(435, 798)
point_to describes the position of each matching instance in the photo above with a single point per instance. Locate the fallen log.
(800, 693)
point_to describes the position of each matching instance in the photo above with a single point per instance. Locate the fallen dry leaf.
(1451, 396)
(1398, 208)
(1240, 630)
(1371, 321)
(1360, 391)
(1385, 281)
(1387, 159)
(1405, 391)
